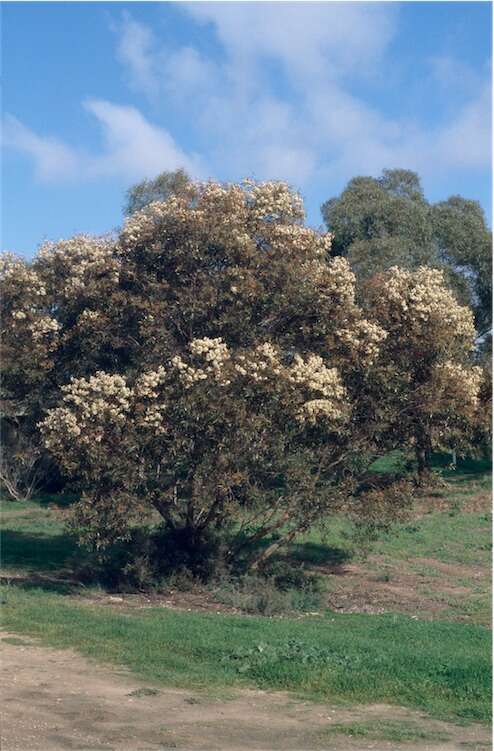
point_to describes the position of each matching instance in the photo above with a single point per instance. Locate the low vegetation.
(388, 730)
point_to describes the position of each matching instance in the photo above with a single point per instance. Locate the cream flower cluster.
(364, 338)
(78, 259)
(24, 292)
(314, 375)
(218, 211)
(274, 200)
(461, 385)
(89, 406)
(332, 279)
(261, 364)
(214, 353)
(141, 226)
(43, 327)
(302, 241)
(15, 271)
(154, 418)
(423, 298)
(227, 203)
(319, 409)
(148, 382)
(147, 387)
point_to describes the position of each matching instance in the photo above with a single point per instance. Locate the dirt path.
(59, 701)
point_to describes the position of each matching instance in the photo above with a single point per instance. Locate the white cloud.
(132, 147)
(309, 38)
(466, 142)
(52, 158)
(135, 52)
(275, 100)
(302, 122)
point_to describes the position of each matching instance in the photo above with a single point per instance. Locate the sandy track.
(55, 700)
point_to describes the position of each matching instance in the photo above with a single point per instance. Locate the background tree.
(427, 386)
(464, 245)
(382, 222)
(377, 223)
(30, 337)
(159, 188)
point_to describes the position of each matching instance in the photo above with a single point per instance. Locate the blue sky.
(99, 95)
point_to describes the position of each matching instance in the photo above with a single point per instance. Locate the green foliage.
(378, 223)
(386, 221)
(465, 247)
(160, 188)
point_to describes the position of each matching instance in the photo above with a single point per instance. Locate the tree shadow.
(59, 500)
(466, 469)
(37, 552)
(320, 555)
(38, 581)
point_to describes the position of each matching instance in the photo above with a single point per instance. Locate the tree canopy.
(382, 222)
(160, 188)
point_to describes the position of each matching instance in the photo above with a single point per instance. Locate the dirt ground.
(56, 700)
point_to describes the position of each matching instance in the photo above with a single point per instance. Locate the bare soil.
(354, 587)
(55, 700)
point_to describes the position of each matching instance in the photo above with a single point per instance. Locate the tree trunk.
(270, 550)
(423, 453)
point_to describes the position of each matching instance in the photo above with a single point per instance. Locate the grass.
(400, 731)
(440, 667)
(34, 538)
(444, 543)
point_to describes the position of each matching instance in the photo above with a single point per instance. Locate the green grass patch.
(401, 731)
(16, 642)
(440, 667)
(34, 538)
(460, 537)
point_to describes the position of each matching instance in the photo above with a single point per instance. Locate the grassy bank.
(442, 668)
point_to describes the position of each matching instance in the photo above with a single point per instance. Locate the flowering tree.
(211, 367)
(236, 401)
(30, 337)
(427, 380)
(382, 222)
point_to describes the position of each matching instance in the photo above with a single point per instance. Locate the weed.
(388, 730)
(16, 642)
(384, 577)
(140, 692)
(271, 595)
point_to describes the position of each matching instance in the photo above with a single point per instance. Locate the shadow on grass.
(35, 551)
(320, 554)
(59, 500)
(466, 468)
(46, 583)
